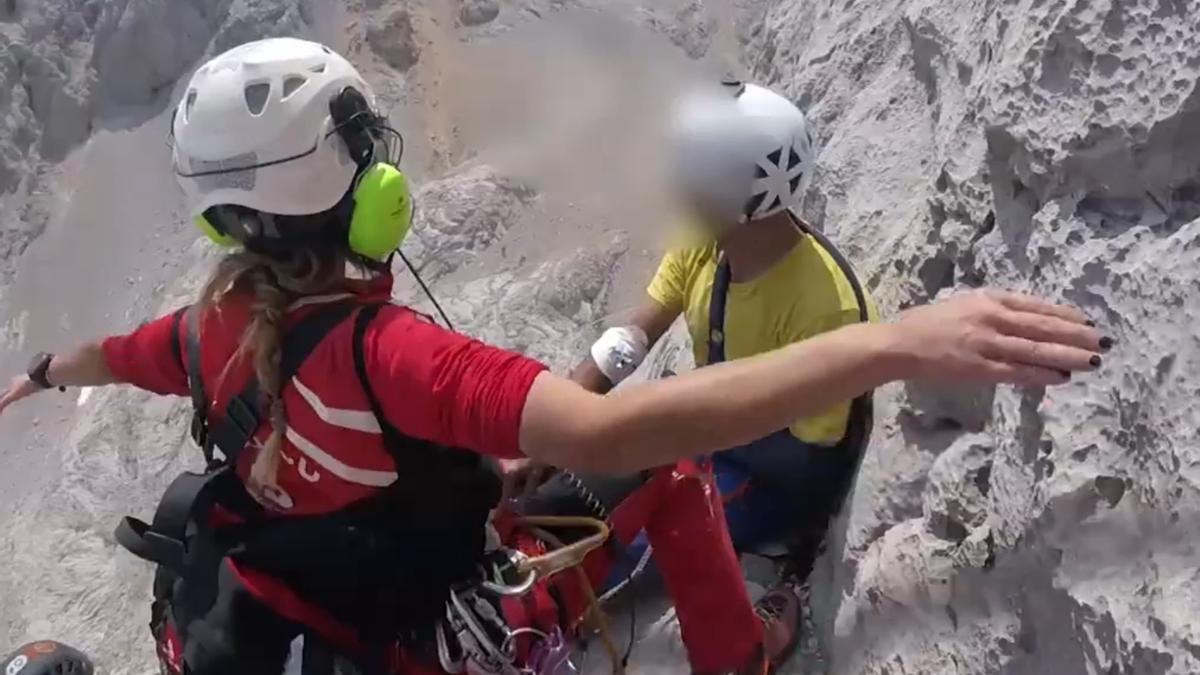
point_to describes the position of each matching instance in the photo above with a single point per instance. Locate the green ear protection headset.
(375, 214)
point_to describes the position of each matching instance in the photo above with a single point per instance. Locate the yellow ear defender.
(383, 210)
(218, 236)
(380, 202)
(383, 204)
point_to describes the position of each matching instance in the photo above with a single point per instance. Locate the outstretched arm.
(86, 366)
(83, 367)
(622, 350)
(983, 336)
(146, 358)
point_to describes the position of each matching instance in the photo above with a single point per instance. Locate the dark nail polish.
(1091, 324)
(1106, 343)
(1066, 374)
(1096, 360)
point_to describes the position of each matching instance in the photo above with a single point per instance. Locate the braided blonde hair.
(273, 282)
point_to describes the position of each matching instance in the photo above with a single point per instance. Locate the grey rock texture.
(569, 296)
(461, 215)
(64, 573)
(690, 28)
(72, 66)
(478, 12)
(392, 38)
(1047, 146)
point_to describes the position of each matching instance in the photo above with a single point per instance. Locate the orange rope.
(571, 556)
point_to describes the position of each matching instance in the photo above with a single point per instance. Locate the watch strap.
(39, 368)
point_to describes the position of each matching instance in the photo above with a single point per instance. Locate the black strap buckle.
(199, 430)
(189, 498)
(137, 537)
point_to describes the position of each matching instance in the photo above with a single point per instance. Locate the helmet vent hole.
(319, 68)
(793, 159)
(187, 107)
(292, 84)
(755, 202)
(774, 157)
(256, 97)
(794, 183)
(775, 204)
(759, 171)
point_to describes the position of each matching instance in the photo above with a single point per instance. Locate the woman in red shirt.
(282, 156)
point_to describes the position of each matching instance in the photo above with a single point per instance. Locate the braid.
(264, 334)
(273, 282)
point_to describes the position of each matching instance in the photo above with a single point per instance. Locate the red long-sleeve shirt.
(431, 383)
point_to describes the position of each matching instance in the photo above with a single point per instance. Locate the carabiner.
(517, 563)
(511, 589)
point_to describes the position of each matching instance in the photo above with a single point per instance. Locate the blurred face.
(709, 214)
(712, 187)
(713, 166)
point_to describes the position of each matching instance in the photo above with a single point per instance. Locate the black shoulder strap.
(177, 339)
(864, 314)
(716, 311)
(861, 409)
(242, 415)
(409, 465)
(432, 459)
(200, 405)
(364, 318)
(720, 292)
(395, 441)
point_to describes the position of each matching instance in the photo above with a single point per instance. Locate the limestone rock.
(691, 27)
(462, 214)
(478, 12)
(394, 41)
(1046, 147)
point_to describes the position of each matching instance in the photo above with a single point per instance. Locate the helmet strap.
(348, 110)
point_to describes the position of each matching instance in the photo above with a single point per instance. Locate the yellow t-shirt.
(802, 295)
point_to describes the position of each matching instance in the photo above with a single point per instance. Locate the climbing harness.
(380, 569)
(474, 638)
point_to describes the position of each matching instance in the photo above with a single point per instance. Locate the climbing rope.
(568, 556)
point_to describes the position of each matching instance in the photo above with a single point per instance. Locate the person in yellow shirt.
(751, 277)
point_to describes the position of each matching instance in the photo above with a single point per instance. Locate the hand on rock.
(997, 336)
(21, 387)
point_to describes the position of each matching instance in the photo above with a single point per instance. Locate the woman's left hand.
(522, 476)
(21, 387)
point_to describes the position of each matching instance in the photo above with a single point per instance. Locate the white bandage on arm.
(619, 352)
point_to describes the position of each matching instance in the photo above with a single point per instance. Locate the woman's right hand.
(21, 387)
(997, 336)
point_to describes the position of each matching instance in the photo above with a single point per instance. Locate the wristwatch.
(38, 368)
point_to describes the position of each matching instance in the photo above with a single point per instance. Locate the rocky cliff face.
(1045, 145)
(70, 67)
(1040, 145)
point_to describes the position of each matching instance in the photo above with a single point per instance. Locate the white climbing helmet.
(747, 156)
(254, 129)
